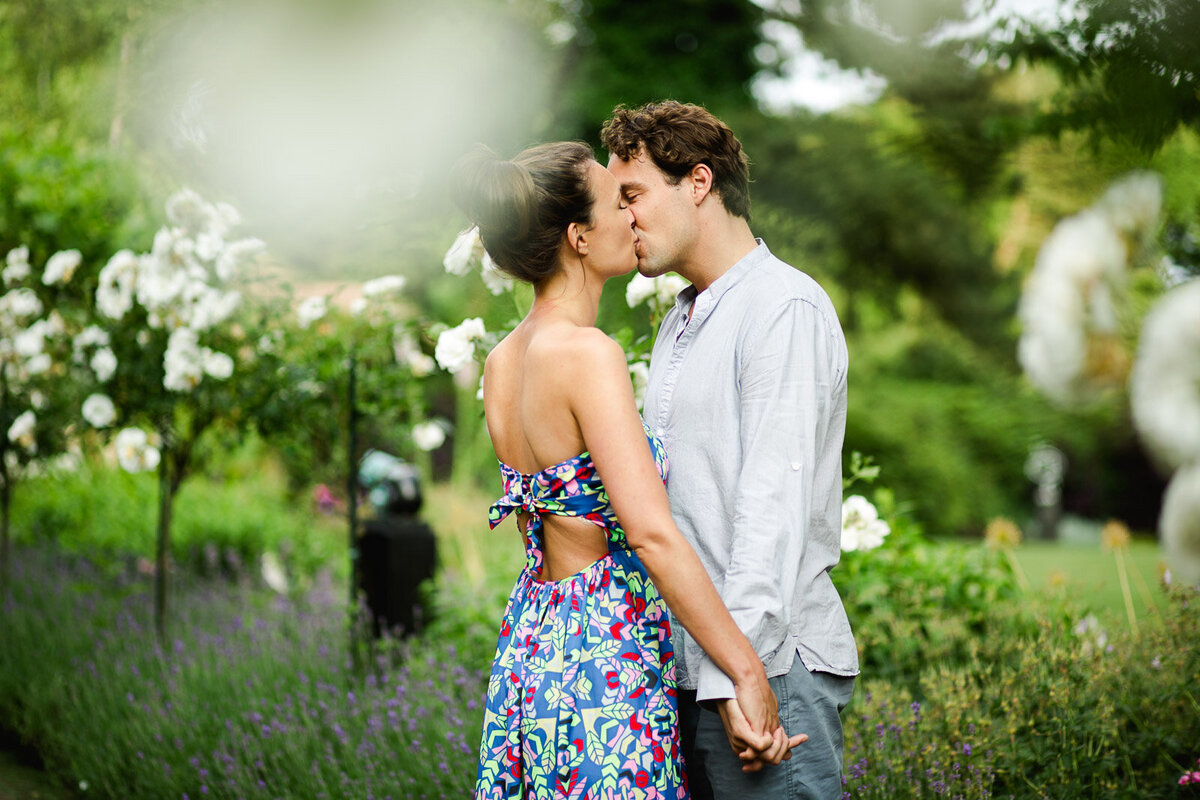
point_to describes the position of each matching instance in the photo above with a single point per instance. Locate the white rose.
(104, 364)
(218, 365)
(16, 265)
(23, 303)
(457, 260)
(99, 411)
(405, 348)
(134, 451)
(456, 346)
(862, 529)
(497, 282)
(1180, 525)
(639, 290)
(29, 342)
(384, 285)
(23, 431)
(1164, 385)
(38, 364)
(61, 267)
(310, 310)
(1133, 203)
(454, 350)
(183, 361)
(428, 435)
(188, 210)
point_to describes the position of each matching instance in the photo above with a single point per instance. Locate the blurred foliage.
(621, 52)
(1131, 68)
(920, 213)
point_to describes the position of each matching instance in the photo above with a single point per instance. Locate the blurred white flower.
(37, 400)
(209, 246)
(310, 310)
(21, 304)
(217, 365)
(273, 574)
(1164, 386)
(104, 364)
(135, 453)
(456, 346)
(231, 259)
(183, 361)
(23, 431)
(1067, 310)
(457, 260)
(639, 290)
(161, 277)
(1180, 525)
(497, 282)
(61, 267)
(99, 411)
(1133, 203)
(91, 336)
(639, 373)
(30, 342)
(38, 364)
(407, 352)
(661, 289)
(117, 282)
(384, 285)
(358, 305)
(212, 307)
(16, 265)
(428, 435)
(188, 210)
(862, 529)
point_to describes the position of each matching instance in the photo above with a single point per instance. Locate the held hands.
(752, 724)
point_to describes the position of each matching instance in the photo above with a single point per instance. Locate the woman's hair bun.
(523, 206)
(496, 194)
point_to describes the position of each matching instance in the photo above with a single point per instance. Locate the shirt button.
(795, 466)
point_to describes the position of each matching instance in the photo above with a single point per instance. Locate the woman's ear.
(576, 239)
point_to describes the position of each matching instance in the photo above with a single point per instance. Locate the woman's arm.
(600, 395)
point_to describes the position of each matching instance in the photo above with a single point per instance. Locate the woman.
(581, 701)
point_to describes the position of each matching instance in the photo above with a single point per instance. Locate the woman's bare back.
(527, 403)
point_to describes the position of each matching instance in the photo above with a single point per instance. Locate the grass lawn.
(1089, 574)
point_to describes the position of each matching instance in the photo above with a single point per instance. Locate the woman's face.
(610, 238)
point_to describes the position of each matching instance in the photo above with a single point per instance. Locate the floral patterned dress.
(581, 702)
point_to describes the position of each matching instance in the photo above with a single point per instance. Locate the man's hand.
(756, 750)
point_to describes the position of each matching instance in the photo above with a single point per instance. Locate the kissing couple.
(674, 632)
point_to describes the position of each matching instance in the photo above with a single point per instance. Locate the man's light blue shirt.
(749, 397)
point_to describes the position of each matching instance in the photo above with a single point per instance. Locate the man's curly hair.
(678, 136)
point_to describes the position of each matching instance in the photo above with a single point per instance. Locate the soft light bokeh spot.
(313, 116)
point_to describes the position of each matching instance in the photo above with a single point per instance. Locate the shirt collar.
(689, 295)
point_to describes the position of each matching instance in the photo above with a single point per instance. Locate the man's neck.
(723, 241)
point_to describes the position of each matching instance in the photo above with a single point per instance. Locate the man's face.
(663, 215)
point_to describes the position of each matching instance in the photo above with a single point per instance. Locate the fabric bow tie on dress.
(518, 496)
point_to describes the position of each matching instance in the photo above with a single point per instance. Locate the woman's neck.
(571, 293)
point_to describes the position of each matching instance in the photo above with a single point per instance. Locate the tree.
(1131, 68)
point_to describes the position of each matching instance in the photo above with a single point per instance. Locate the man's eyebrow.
(628, 185)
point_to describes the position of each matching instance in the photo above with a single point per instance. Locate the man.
(747, 390)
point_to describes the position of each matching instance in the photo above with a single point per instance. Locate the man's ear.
(576, 240)
(700, 180)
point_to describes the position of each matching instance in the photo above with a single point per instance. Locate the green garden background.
(178, 606)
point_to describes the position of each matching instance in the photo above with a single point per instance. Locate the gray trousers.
(809, 702)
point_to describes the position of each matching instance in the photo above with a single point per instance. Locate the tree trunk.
(166, 498)
(5, 508)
